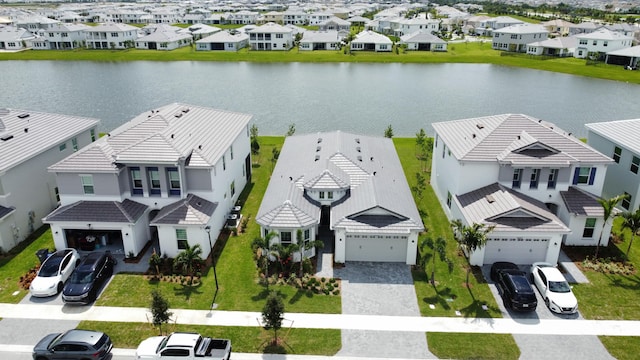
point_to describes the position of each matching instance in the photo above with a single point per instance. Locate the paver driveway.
(380, 289)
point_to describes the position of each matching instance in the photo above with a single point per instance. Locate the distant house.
(111, 36)
(423, 40)
(601, 41)
(371, 41)
(61, 37)
(271, 16)
(479, 25)
(164, 39)
(295, 17)
(243, 17)
(338, 184)
(30, 141)
(515, 38)
(337, 24)
(271, 36)
(500, 22)
(223, 40)
(411, 26)
(320, 40)
(583, 28)
(535, 183)
(171, 174)
(559, 46)
(619, 140)
(199, 31)
(12, 38)
(558, 27)
(318, 18)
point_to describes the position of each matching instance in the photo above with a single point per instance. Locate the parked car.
(553, 288)
(74, 344)
(53, 273)
(88, 278)
(516, 291)
(501, 265)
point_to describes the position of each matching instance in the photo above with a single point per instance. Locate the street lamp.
(213, 260)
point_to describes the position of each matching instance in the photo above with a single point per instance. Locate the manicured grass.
(18, 261)
(464, 52)
(450, 293)
(236, 269)
(243, 339)
(622, 347)
(473, 346)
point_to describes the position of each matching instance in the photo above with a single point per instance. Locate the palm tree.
(304, 246)
(472, 238)
(608, 205)
(262, 247)
(188, 259)
(437, 247)
(632, 222)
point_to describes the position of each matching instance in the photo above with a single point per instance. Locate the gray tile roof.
(368, 165)
(34, 133)
(166, 135)
(421, 36)
(4, 211)
(579, 202)
(192, 210)
(487, 138)
(224, 36)
(625, 133)
(127, 211)
(508, 210)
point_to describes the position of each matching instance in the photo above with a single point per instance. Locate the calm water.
(362, 98)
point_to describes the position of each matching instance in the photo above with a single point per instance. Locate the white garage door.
(522, 251)
(381, 248)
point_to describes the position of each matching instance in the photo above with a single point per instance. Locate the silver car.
(74, 344)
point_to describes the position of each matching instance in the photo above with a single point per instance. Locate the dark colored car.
(501, 265)
(516, 291)
(74, 344)
(88, 278)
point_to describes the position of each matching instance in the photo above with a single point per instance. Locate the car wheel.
(60, 286)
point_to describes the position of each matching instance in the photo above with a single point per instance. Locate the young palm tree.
(188, 259)
(608, 205)
(472, 237)
(262, 247)
(306, 246)
(632, 222)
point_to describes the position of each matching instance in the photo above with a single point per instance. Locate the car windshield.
(50, 267)
(55, 341)
(559, 286)
(81, 277)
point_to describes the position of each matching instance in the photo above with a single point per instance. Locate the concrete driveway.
(370, 288)
(548, 346)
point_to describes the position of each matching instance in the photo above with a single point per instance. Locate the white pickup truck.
(183, 346)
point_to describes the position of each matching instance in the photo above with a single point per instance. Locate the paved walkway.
(571, 271)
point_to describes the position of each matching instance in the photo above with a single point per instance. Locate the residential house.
(583, 28)
(34, 23)
(501, 22)
(295, 17)
(341, 26)
(619, 139)
(193, 18)
(199, 31)
(30, 141)
(479, 25)
(358, 20)
(171, 174)
(243, 17)
(164, 38)
(558, 27)
(338, 184)
(271, 16)
(111, 36)
(423, 40)
(13, 38)
(559, 46)
(317, 18)
(61, 37)
(410, 26)
(271, 36)
(600, 42)
(223, 40)
(535, 183)
(627, 57)
(320, 40)
(129, 16)
(166, 15)
(515, 38)
(371, 41)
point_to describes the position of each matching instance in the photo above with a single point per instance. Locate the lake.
(360, 98)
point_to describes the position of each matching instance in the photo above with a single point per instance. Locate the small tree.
(273, 314)
(631, 221)
(275, 154)
(304, 246)
(188, 259)
(155, 260)
(388, 132)
(159, 310)
(471, 238)
(608, 205)
(291, 131)
(437, 247)
(255, 145)
(420, 186)
(421, 137)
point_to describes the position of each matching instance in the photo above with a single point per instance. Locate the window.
(57, 193)
(514, 36)
(589, 226)
(321, 194)
(231, 150)
(63, 146)
(87, 184)
(279, 36)
(136, 180)
(535, 177)
(224, 163)
(553, 178)
(517, 177)
(584, 175)
(444, 150)
(115, 34)
(617, 152)
(583, 42)
(233, 188)
(154, 180)
(449, 200)
(329, 194)
(626, 202)
(181, 236)
(285, 237)
(634, 165)
(595, 42)
(605, 43)
(74, 144)
(307, 234)
(174, 181)
(93, 135)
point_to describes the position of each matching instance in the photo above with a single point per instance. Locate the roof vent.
(23, 116)
(539, 121)
(359, 158)
(319, 140)
(473, 136)
(185, 110)
(371, 158)
(518, 137)
(172, 136)
(317, 157)
(318, 148)
(358, 140)
(358, 149)
(26, 130)
(490, 199)
(178, 115)
(6, 137)
(199, 147)
(480, 126)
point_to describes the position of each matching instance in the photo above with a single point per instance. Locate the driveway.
(548, 346)
(370, 288)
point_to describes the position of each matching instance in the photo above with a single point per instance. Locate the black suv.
(88, 278)
(516, 291)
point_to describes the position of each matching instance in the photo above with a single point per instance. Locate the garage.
(377, 248)
(521, 251)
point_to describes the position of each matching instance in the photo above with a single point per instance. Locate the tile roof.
(625, 133)
(270, 28)
(487, 138)
(604, 34)
(192, 210)
(422, 36)
(579, 202)
(127, 211)
(224, 36)
(320, 36)
(30, 133)
(525, 28)
(368, 36)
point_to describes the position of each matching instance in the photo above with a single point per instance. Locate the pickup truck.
(183, 346)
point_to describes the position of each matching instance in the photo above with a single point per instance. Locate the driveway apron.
(370, 288)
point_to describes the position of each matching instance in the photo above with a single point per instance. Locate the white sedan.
(53, 273)
(553, 288)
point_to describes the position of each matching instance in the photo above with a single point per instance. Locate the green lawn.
(243, 339)
(473, 346)
(466, 52)
(622, 347)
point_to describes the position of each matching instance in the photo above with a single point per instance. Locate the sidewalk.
(333, 321)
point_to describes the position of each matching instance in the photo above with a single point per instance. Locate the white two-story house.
(619, 139)
(271, 36)
(111, 36)
(535, 183)
(30, 141)
(61, 36)
(601, 41)
(516, 37)
(171, 174)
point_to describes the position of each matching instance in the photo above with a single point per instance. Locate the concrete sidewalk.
(333, 321)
